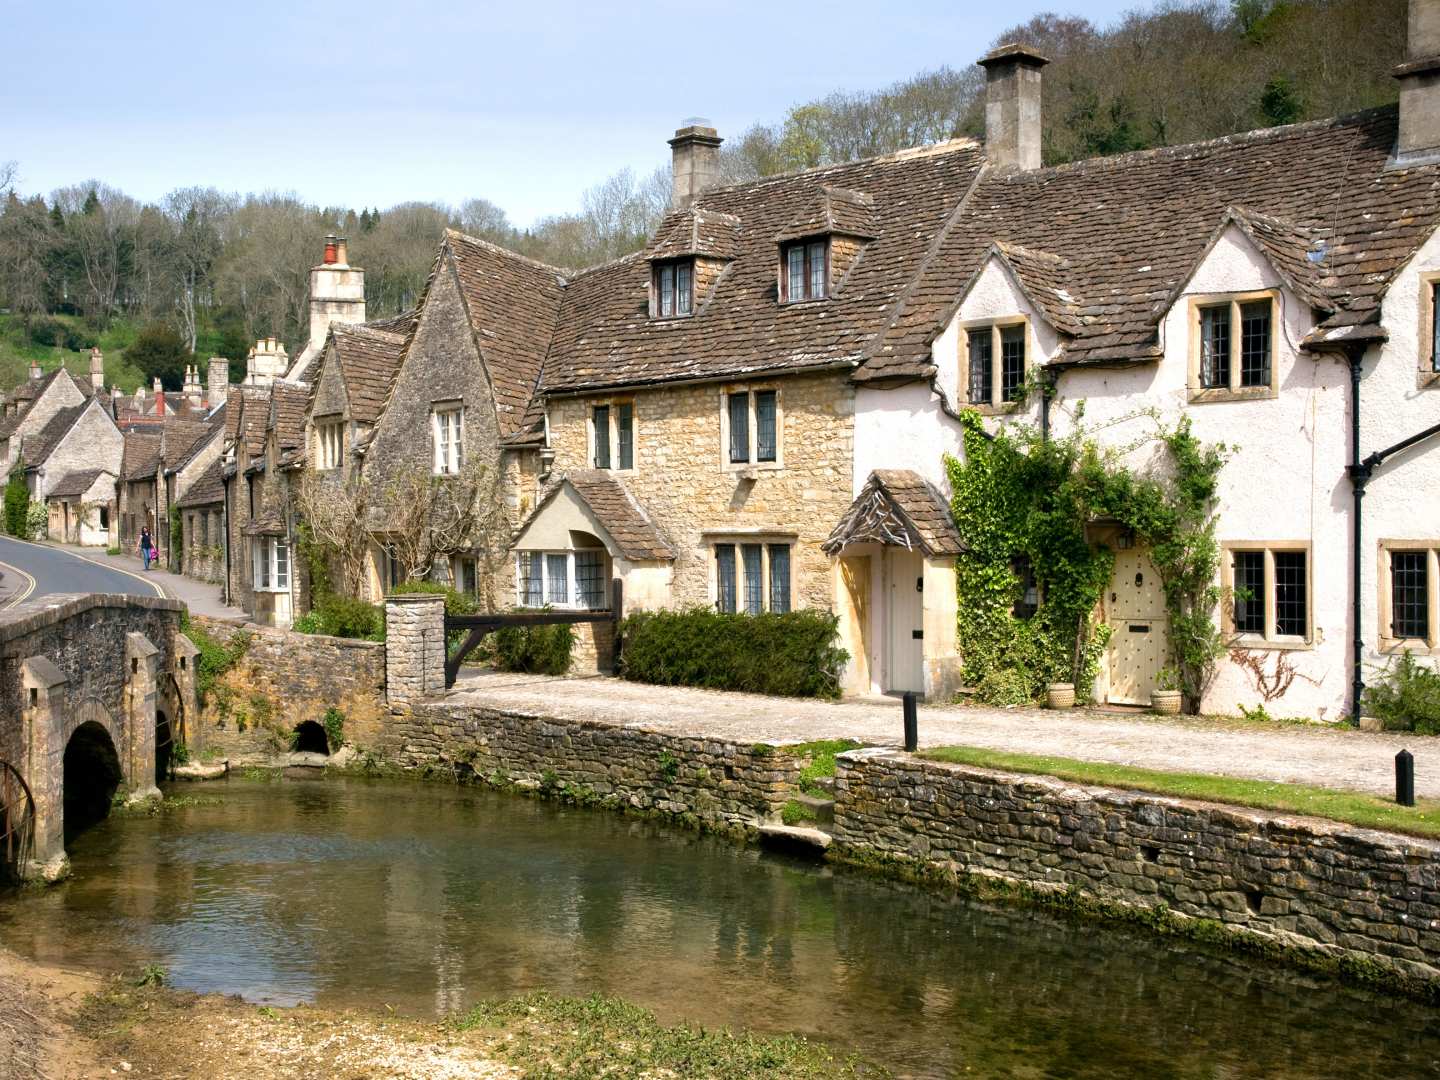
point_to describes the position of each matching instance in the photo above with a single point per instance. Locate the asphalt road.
(33, 570)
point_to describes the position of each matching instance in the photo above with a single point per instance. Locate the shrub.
(1407, 697)
(51, 332)
(334, 725)
(17, 501)
(538, 650)
(215, 659)
(343, 616)
(791, 654)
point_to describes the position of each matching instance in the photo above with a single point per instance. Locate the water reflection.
(427, 898)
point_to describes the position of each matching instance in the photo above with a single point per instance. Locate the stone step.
(794, 838)
(822, 811)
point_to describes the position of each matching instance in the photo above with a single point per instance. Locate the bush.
(334, 725)
(1407, 698)
(37, 521)
(538, 650)
(791, 654)
(17, 501)
(215, 659)
(343, 616)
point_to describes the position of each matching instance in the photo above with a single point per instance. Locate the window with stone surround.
(562, 579)
(1233, 347)
(329, 443)
(612, 435)
(1409, 581)
(995, 363)
(1429, 351)
(271, 563)
(805, 270)
(672, 289)
(751, 426)
(751, 575)
(1268, 586)
(447, 437)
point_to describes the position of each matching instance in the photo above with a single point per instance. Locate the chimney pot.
(1012, 106)
(342, 251)
(695, 163)
(35, 369)
(330, 253)
(1419, 75)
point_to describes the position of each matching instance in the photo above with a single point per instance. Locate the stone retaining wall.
(720, 784)
(285, 678)
(1298, 881)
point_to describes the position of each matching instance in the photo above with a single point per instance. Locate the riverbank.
(60, 1024)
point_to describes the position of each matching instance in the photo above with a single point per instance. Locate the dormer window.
(805, 271)
(996, 364)
(673, 286)
(1232, 347)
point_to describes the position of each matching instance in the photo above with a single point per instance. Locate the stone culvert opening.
(309, 738)
(92, 776)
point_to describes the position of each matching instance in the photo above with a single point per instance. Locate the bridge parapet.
(92, 686)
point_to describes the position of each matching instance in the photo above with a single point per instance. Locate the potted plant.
(1165, 699)
(1060, 695)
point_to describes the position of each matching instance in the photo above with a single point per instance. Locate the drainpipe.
(1047, 395)
(1359, 472)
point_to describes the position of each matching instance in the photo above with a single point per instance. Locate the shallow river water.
(427, 897)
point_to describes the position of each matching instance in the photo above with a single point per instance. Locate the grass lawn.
(16, 352)
(1351, 807)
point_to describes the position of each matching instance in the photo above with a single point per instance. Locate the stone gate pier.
(95, 692)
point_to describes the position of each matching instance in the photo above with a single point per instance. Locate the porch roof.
(897, 507)
(630, 529)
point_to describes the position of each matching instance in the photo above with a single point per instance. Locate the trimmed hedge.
(540, 650)
(793, 654)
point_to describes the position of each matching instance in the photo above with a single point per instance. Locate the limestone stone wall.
(94, 442)
(284, 679)
(722, 784)
(1297, 881)
(683, 479)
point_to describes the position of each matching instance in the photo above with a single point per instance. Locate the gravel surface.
(1322, 755)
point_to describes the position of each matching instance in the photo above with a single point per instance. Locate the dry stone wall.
(1297, 881)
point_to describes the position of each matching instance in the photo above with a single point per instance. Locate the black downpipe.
(1047, 395)
(1360, 472)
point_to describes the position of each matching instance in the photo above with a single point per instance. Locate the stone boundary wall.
(719, 784)
(285, 678)
(1300, 882)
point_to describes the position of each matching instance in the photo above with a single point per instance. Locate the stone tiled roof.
(836, 210)
(208, 488)
(265, 524)
(39, 446)
(179, 439)
(247, 413)
(24, 395)
(141, 456)
(288, 402)
(1042, 276)
(897, 507)
(74, 484)
(1131, 228)
(605, 337)
(400, 324)
(694, 231)
(513, 304)
(616, 510)
(369, 359)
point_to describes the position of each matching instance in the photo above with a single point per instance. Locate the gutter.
(1360, 472)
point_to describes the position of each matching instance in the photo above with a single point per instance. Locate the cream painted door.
(905, 612)
(1140, 641)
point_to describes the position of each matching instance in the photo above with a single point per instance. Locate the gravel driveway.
(1324, 756)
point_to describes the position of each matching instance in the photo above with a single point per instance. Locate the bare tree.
(197, 216)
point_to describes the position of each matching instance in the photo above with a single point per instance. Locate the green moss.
(794, 812)
(821, 765)
(1350, 807)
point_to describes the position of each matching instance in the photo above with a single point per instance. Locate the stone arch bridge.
(94, 691)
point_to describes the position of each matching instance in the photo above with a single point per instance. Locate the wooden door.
(1140, 642)
(905, 612)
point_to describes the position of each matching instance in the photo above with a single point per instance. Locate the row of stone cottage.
(752, 412)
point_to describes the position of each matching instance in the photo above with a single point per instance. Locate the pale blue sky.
(369, 104)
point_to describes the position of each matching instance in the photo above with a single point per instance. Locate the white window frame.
(1269, 639)
(572, 600)
(994, 328)
(1234, 391)
(753, 428)
(329, 443)
(447, 437)
(270, 572)
(1430, 643)
(765, 541)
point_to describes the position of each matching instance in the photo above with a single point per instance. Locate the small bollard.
(1405, 778)
(912, 725)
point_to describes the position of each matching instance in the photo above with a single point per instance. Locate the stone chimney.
(97, 370)
(1419, 76)
(193, 391)
(266, 362)
(337, 293)
(217, 381)
(159, 396)
(695, 162)
(1012, 106)
(35, 371)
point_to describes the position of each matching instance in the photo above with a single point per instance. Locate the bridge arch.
(92, 775)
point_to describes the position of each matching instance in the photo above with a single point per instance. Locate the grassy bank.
(1350, 807)
(17, 350)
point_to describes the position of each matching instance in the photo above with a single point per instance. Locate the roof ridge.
(558, 271)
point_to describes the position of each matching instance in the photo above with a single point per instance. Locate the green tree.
(1279, 103)
(17, 501)
(160, 351)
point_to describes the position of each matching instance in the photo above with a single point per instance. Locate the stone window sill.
(1261, 644)
(1244, 393)
(1427, 380)
(1418, 646)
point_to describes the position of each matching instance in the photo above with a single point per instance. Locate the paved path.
(201, 597)
(50, 569)
(1328, 757)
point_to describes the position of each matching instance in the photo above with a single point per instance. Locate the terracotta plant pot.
(1165, 702)
(1060, 695)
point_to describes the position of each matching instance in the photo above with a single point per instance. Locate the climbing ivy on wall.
(1019, 497)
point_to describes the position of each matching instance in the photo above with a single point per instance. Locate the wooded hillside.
(206, 272)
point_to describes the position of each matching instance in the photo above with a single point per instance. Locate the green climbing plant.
(1022, 504)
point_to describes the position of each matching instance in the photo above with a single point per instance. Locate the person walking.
(147, 546)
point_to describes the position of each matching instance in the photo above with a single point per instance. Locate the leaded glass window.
(765, 443)
(725, 577)
(590, 579)
(779, 577)
(807, 270)
(557, 578)
(673, 289)
(1255, 344)
(625, 435)
(982, 386)
(739, 405)
(1215, 347)
(1410, 594)
(1291, 605)
(600, 421)
(754, 578)
(532, 579)
(1012, 362)
(1249, 586)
